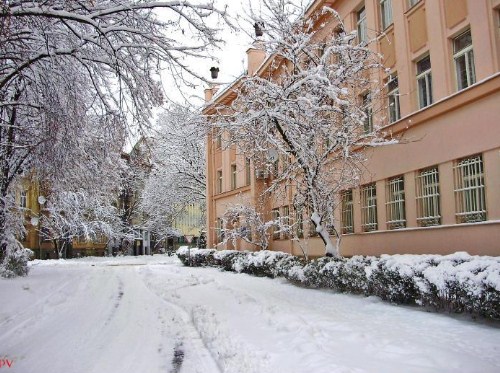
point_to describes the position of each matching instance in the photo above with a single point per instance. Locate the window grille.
(386, 12)
(347, 212)
(424, 82)
(393, 96)
(428, 204)
(395, 203)
(470, 201)
(464, 60)
(362, 26)
(369, 208)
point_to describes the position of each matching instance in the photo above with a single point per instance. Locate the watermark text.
(6, 363)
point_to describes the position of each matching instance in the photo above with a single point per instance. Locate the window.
(218, 141)
(395, 203)
(275, 167)
(411, 3)
(286, 219)
(469, 190)
(219, 231)
(369, 208)
(23, 199)
(386, 13)
(464, 60)
(367, 109)
(219, 182)
(428, 210)
(233, 176)
(275, 213)
(247, 171)
(393, 97)
(424, 82)
(347, 224)
(362, 26)
(299, 224)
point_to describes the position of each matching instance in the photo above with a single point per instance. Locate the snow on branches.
(177, 179)
(313, 106)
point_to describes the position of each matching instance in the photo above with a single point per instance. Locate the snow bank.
(455, 283)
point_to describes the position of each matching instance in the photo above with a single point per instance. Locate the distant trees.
(177, 179)
(312, 110)
(78, 71)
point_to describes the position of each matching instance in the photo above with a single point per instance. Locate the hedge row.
(458, 283)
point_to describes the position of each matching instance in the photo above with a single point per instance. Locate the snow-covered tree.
(177, 178)
(313, 110)
(66, 66)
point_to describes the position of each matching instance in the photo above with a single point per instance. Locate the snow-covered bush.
(458, 283)
(310, 275)
(262, 263)
(348, 275)
(15, 263)
(462, 283)
(393, 278)
(225, 259)
(196, 257)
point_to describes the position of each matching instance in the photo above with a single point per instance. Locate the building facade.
(438, 191)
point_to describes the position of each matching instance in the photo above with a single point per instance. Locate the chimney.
(210, 92)
(255, 55)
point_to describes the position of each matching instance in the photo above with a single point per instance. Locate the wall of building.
(456, 125)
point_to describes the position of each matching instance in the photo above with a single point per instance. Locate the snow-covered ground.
(151, 314)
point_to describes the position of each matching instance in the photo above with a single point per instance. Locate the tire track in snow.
(196, 349)
(227, 351)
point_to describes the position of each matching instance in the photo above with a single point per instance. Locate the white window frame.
(470, 199)
(386, 13)
(369, 220)
(428, 197)
(395, 203)
(426, 77)
(361, 25)
(393, 99)
(347, 210)
(468, 54)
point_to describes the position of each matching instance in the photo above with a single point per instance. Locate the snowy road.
(151, 315)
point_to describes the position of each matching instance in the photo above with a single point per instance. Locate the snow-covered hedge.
(454, 283)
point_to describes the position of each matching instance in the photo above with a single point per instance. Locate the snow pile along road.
(151, 314)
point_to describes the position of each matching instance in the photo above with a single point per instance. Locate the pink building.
(438, 191)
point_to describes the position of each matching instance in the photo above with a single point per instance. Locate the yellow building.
(29, 201)
(440, 191)
(189, 224)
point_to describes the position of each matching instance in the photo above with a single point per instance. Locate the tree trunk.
(330, 248)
